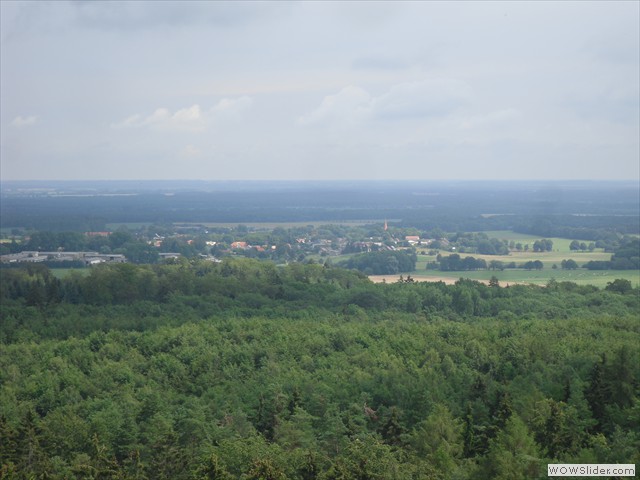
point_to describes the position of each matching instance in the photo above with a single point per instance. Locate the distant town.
(200, 241)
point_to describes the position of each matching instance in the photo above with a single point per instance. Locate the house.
(169, 255)
(91, 258)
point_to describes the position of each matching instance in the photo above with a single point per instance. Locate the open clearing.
(512, 277)
(416, 278)
(548, 259)
(561, 251)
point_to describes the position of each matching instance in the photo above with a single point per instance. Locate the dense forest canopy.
(382, 263)
(245, 369)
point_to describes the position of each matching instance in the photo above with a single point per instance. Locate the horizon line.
(323, 180)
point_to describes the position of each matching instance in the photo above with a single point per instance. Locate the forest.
(573, 209)
(246, 369)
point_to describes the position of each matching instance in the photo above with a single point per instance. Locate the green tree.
(620, 377)
(568, 264)
(513, 454)
(439, 439)
(265, 469)
(597, 393)
(501, 411)
(391, 428)
(140, 252)
(462, 301)
(296, 432)
(619, 285)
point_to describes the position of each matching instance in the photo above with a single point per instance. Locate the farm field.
(548, 259)
(509, 235)
(599, 278)
(561, 251)
(559, 244)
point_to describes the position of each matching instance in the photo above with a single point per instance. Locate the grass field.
(559, 244)
(509, 235)
(560, 252)
(599, 278)
(548, 259)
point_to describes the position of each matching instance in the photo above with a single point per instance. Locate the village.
(166, 243)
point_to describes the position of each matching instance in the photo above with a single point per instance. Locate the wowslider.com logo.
(591, 470)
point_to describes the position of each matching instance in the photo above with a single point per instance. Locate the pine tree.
(596, 393)
(513, 454)
(309, 470)
(500, 412)
(28, 449)
(620, 378)
(8, 442)
(392, 430)
(469, 440)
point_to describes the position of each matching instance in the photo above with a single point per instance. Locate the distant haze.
(320, 90)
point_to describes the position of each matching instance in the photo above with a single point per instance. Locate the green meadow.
(560, 252)
(599, 278)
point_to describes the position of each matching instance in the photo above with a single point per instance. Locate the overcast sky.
(320, 90)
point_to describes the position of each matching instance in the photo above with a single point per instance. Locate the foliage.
(454, 263)
(242, 369)
(544, 245)
(385, 262)
(626, 257)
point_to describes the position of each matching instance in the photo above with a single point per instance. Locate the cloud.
(491, 119)
(617, 104)
(233, 107)
(21, 121)
(350, 105)
(427, 98)
(185, 119)
(190, 119)
(144, 15)
(190, 151)
(379, 62)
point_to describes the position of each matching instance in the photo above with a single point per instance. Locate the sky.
(320, 90)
